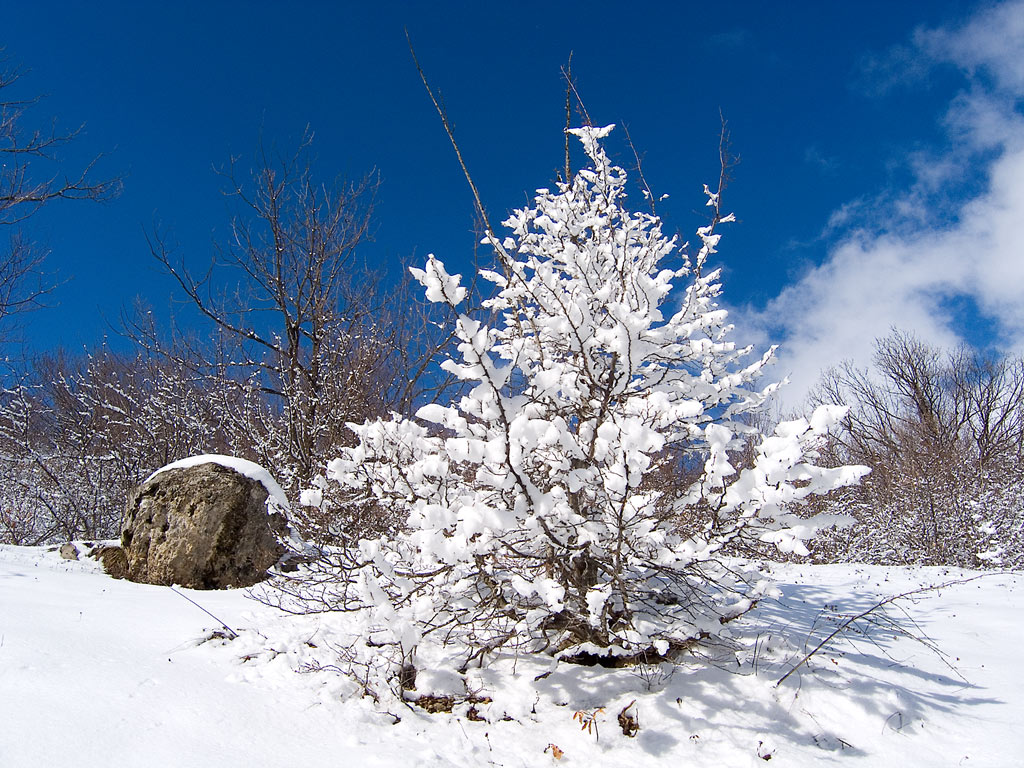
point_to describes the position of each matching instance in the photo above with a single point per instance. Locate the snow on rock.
(275, 494)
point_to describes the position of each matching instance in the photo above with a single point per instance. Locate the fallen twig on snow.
(197, 605)
(850, 621)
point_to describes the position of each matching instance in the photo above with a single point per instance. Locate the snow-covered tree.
(536, 512)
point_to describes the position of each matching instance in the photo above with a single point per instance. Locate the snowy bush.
(537, 513)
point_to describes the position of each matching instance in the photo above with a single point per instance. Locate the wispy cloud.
(826, 164)
(903, 259)
(899, 66)
(989, 45)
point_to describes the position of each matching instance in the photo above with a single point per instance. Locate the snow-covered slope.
(98, 672)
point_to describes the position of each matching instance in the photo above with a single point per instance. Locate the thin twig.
(640, 170)
(197, 605)
(567, 74)
(587, 122)
(488, 229)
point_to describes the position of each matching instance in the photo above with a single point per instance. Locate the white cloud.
(990, 44)
(924, 246)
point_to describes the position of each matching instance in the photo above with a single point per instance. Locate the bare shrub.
(943, 435)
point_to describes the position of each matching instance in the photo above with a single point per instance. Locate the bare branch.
(481, 210)
(31, 178)
(640, 171)
(567, 74)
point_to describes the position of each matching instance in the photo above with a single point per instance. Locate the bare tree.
(31, 177)
(942, 433)
(302, 328)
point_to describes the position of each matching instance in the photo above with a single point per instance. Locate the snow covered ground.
(98, 672)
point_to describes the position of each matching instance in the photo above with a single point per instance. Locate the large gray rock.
(204, 527)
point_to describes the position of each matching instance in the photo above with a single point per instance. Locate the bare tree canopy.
(310, 336)
(944, 435)
(31, 176)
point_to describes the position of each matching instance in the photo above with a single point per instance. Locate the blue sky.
(875, 139)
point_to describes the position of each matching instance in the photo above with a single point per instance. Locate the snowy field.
(98, 672)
